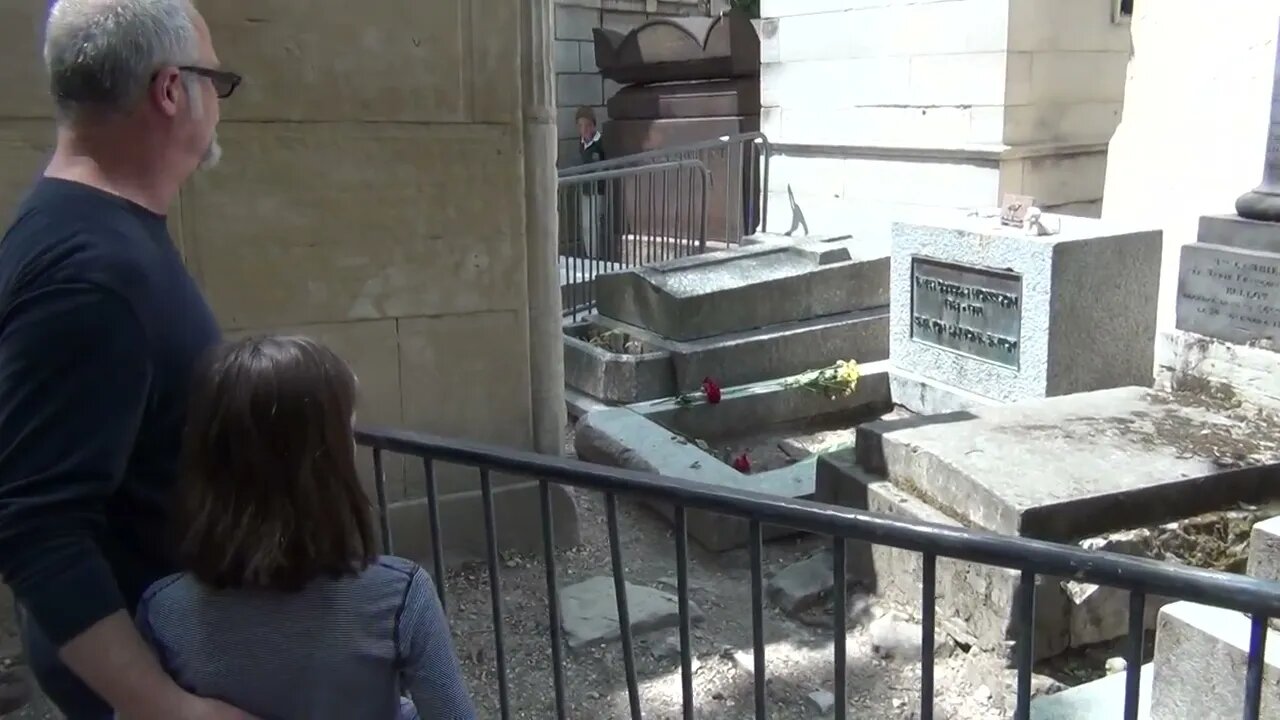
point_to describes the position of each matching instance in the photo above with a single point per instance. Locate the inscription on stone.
(974, 311)
(1230, 294)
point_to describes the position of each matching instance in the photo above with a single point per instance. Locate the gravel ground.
(883, 673)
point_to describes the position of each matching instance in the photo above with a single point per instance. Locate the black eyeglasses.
(224, 82)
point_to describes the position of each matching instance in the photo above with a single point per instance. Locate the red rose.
(711, 390)
(742, 463)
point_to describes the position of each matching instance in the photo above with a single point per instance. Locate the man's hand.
(113, 659)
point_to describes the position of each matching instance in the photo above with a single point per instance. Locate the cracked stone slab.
(1068, 467)
(589, 611)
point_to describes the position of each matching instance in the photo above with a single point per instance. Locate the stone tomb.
(740, 316)
(1101, 469)
(1228, 306)
(982, 313)
(667, 437)
(1227, 317)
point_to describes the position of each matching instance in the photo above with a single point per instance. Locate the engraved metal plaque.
(966, 309)
(1230, 294)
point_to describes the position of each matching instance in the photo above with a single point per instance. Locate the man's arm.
(74, 379)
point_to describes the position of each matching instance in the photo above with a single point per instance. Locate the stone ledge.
(1188, 361)
(1199, 666)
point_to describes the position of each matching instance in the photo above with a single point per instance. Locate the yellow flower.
(847, 373)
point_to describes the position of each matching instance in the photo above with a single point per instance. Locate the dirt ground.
(969, 685)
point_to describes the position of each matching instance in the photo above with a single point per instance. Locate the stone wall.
(578, 81)
(388, 187)
(1196, 109)
(881, 110)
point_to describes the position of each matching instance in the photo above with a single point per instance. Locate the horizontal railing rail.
(627, 216)
(740, 162)
(1140, 576)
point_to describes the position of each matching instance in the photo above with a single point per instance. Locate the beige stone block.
(438, 61)
(466, 376)
(335, 222)
(24, 150)
(22, 75)
(969, 79)
(1056, 179)
(1061, 123)
(517, 519)
(371, 348)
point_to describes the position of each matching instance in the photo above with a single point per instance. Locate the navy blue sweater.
(100, 329)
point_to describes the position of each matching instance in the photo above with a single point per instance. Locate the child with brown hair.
(286, 610)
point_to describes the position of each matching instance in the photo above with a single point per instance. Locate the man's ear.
(166, 91)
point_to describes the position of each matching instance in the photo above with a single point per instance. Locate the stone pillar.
(1263, 202)
(546, 348)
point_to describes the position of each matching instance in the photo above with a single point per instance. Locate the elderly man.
(100, 328)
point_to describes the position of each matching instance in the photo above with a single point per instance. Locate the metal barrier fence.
(1141, 577)
(739, 166)
(627, 216)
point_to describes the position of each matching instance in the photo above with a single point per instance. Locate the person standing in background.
(592, 200)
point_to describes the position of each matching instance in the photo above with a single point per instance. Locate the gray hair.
(101, 54)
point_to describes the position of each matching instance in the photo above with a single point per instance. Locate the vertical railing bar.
(384, 511)
(755, 540)
(433, 519)
(495, 593)
(839, 566)
(1253, 674)
(682, 603)
(1026, 611)
(620, 596)
(1133, 654)
(553, 596)
(928, 630)
(665, 205)
(767, 152)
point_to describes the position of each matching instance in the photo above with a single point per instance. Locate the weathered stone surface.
(820, 702)
(1199, 664)
(589, 611)
(267, 257)
(744, 289)
(1235, 231)
(643, 437)
(975, 603)
(1047, 468)
(1230, 372)
(930, 397)
(643, 372)
(1092, 285)
(1098, 613)
(1099, 700)
(753, 356)
(1230, 293)
(1264, 550)
(802, 585)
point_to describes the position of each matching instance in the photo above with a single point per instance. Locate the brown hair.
(270, 497)
(586, 112)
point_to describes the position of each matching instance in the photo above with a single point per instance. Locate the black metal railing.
(626, 217)
(739, 166)
(1141, 577)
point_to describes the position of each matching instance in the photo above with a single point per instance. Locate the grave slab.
(747, 288)
(1230, 293)
(1101, 699)
(652, 437)
(589, 611)
(1199, 664)
(1069, 467)
(994, 311)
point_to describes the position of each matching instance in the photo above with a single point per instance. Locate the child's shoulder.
(165, 587)
(391, 565)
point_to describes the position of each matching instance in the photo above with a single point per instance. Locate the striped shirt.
(341, 649)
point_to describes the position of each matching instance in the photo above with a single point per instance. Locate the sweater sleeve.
(74, 378)
(432, 673)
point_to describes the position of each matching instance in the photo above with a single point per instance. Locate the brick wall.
(578, 81)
